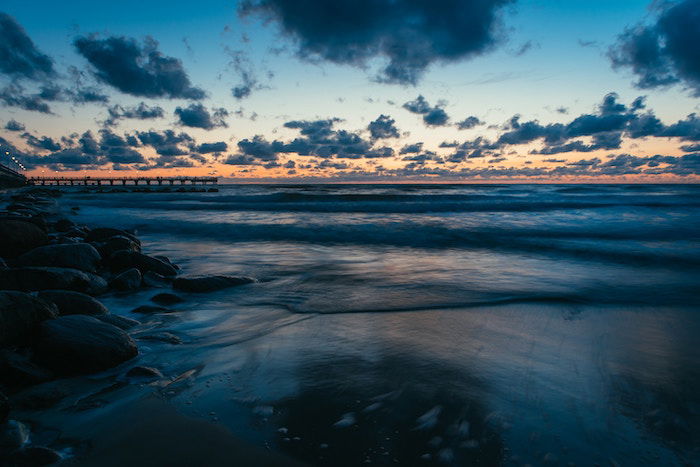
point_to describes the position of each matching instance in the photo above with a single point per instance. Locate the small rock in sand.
(144, 372)
(167, 299)
(209, 283)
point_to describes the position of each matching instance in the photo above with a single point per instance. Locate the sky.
(353, 90)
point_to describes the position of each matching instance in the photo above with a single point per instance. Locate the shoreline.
(59, 270)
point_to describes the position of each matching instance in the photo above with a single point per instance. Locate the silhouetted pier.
(123, 181)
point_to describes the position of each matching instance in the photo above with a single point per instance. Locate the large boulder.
(18, 236)
(79, 344)
(18, 370)
(20, 315)
(209, 283)
(127, 280)
(81, 256)
(5, 407)
(116, 243)
(119, 321)
(101, 234)
(124, 259)
(73, 303)
(45, 278)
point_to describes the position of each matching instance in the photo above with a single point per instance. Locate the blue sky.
(563, 65)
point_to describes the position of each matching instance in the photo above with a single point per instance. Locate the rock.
(73, 303)
(13, 435)
(3, 264)
(116, 243)
(64, 225)
(18, 370)
(165, 259)
(153, 279)
(209, 283)
(43, 396)
(147, 309)
(79, 344)
(20, 314)
(34, 456)
(166, 337)
(82, 256)
(119, 321)
(4, 408)
(103, 233)
(144, 372)
(167, 299)
(121, 260)
(127, 280)
(47, 278)
(19, 236)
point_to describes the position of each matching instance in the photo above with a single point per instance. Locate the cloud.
(19, 57)
(408, 35)
(197, 116)
(432, 115)
(43, 142)
(167, 143)
(383, 127)
(137, 69)
(411, 148)
(13, 96)
(664, 52)
(469, 123)
(14, 125)
(208, 148)
(140, 112)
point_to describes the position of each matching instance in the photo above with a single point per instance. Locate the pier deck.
(123, 181)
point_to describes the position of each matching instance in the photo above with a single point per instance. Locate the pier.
(122, 181)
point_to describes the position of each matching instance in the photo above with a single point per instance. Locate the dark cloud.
(19, 57)
(469, 123)
(13, 96)
(412, 148)
(409, 35)
(208, 148)
(383, 127)
(43, 142)
(664, 52)
(432, 115)
(167, 143)
(140, 112)
(249, 81)
(137, 69)
(14, 125)
(197, 116)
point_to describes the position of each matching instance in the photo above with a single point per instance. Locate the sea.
(422, 324)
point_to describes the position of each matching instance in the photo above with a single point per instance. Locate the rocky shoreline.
(52, 323)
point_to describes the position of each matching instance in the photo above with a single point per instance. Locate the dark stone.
(47, 278)
(209, 283)
(43, 396)
(73, 303)
(119, 321)
(127, 280)
(103, 233)
(34, 456)
(20, 314)
(146, 309)
(165, 259)
(144, 372)
(167, 299)
(3, 264)
(153, 279)
(82, 256)
(121, 260)
(80, 344)
(19, 236)
(64, 225)
(117, 243)
(167, 337)
(13, 435)
(4, 408)
(18, 370)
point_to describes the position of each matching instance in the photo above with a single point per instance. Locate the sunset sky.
(354, 90)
